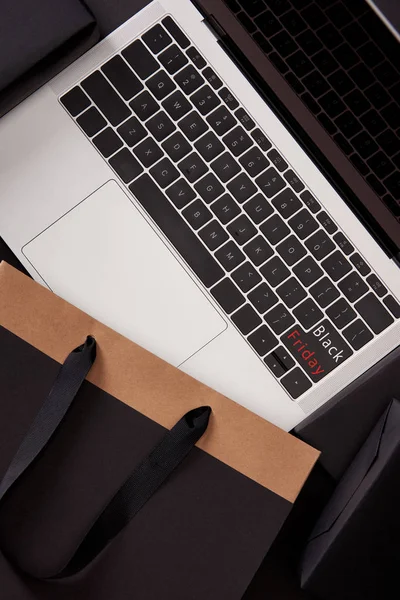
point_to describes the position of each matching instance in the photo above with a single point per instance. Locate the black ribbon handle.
(143, 482)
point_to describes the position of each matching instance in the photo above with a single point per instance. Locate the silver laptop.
(153, 187)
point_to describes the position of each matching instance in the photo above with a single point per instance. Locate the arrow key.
(296, 383)
(263, 340)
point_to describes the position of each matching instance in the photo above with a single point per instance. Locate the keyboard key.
(246, 277)
(310, 202)
(279, 319)
(263, 298)
(279, 357)
(376, 185)
(274, 229)
(294, 181)
(91, 121)
(291, 250)
(277, 160)
(160, 126)
(357, 334)
(209, 188)
(373, 123)
(330, 36)
(336, 265)
(228, 296)
(353, 287)
(225, 209)
(287, 203)
(343, 243)
(193, 126)
(318, 351)
(132, 132)
(393, 184)
(261, 139)
(245, 119)
(225, 167)
(393, 306)
(212, 78)
(296, 383)
(320, 245)
(308, 313)
(126, 165)
(122, 77)
(140, 59)
(75, 101)
(275, 271)
(360, 264)
(293, 22)
(275, 365)
(315, 83)
(161, 85)
(205, 100)
(252, 7)
(374, 313)
(303, 224)
(197, 214)
(189, 79)
(389, 142)
(270, 182)
(246, 319)
(391, 114)
(230, 256)
(284, 44)
(284, 357)
(213, 235)
(332, 104)
(308, 271)
(196, 58)
(237, 141)
(177, 147)
(291, 292)
(176, 32)
(380, 165)
(357, 102)
(173, 59)
(258, 250)
(180, 193)
(144, 106)
(341, 313)
(324, 292)
(242, 188)
(221, 120)
(258, 208)
(228, 98)
(254, 161)
(376, 285)
(242, 230)
(193, 167)
(326, 222)
(164, 173)
(325, 62)
(157, 39)
(209, 146)
(300, 64)
(176, 230)
(106, 98)
(262, 340)
(107, 142)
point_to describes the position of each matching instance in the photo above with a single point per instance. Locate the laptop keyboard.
(232, 206)
(326, 51)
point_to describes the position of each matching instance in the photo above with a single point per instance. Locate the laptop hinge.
(216, 29)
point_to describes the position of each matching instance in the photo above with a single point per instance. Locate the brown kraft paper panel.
(236, 436)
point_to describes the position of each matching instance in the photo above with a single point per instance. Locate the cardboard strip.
(236, 436)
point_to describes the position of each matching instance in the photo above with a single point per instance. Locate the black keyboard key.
(274, 229)
(336, 265)
(275, 365)
(310, 201)
(177, 147)
(309, 42)
(228, 98)
(140, 59)
(284, 44)
(196, 58)
(126, 165)
(327, 222)
(320, 245)
(193, 167)
(360, 264)
(364, 144)
(160, 126)
(374, 313)
(279, 319)
(308, 313)
(262, 340)
(330, 36)
(308, 271)
(246, 319)
(373, 123)
(359, 164)
(341, 313)
(180, 193)
(189, 79)
(173, 59)
(242, 230)
(391, 114)
(254, 161)
(132, 132)
(157, 39)
(332, 104)
(176, 32)
(225, 209)
(122, 77)
(343, 243)
(393, 306)
(91, 121)
(213, 235)
(341, 83)
(258, 208)
(357, 334)
(228, 296)
(371, 55)
(237, 141)
(107, 142)
(230, 256)
(164, 173)
(380, 165)
(242, 188)
(261, 139)
(161, 85)
(247, 22)
(209, 146)
(270, 182)
(275, 271)
(376, 285)
(324, 292)
(212, 78)
(277, 160)
(245, 119)
(377, 96)
(263, 298)
(348, 125)
(388, 141)
(353, 287)
(287, 203)
(296, 383)
(303, 224)
(357, 102)
(209, 188)
(294, 181)
(291, 250)
(325, 62)
(318, 351)
(300, 64)
(345, 56)
(176, 230)
(144, 106)
(258, 250)
(106, 98)
(176, 105)
(293, 22)
(221, 120)
(197, 214)
(361, 76)
(193, 126)
(291, 292)
(225, 167)
(393, 184)
(253, 7)
(148, 152)
(75, 101)
(205, 100)
(284, 357)
(246, 277)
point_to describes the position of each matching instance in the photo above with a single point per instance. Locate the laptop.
(219, 182)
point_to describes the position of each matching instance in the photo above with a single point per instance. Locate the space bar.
(174, 227)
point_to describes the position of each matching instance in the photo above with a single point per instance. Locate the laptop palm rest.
(103, 257)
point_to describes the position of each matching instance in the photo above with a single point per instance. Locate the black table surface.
(277, 577)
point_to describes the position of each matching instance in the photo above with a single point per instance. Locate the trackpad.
(104, 258)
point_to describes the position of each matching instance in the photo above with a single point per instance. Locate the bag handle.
(143, 482)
